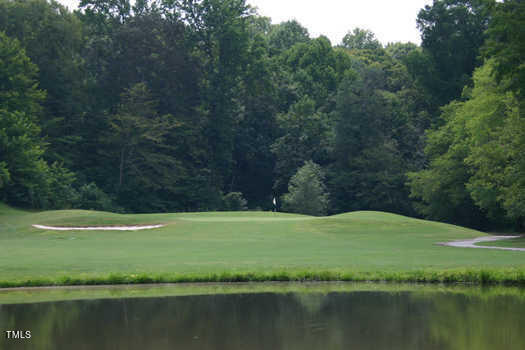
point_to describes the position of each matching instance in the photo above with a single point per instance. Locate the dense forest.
(195, 105)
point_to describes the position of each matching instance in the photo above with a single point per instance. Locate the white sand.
(99, 228)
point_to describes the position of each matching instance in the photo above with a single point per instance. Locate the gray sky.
(390, 20)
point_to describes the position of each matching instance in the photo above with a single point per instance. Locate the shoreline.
(512, 276)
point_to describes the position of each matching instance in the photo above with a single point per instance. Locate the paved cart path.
(470, 243)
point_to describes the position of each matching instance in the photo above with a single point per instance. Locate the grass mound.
(373, 216)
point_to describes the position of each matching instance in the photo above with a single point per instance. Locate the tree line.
(194, 105)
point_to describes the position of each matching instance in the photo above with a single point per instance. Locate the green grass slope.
(242, 246)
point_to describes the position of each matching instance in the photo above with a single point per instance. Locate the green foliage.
(141, 159)
(234, 201)
(473, 158)
(21, 148)
(313, 72)
(60, 193)
(18, 86)
(285, 35)
(117, 11)
(506, 43)
(306, 136)
(374, 140)
(513, 189)
(486, 112)
(306, 191)
(361, 39)
(52, 39)
(259, 25)
(452, 32)
(220, 30)
(257, 127)
(26, 178)
(166, 105)
(316, 69)
(399, 51)
(4, 174)
(154, 48)
(91, 197)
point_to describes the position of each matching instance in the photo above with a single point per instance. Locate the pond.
(275, 316)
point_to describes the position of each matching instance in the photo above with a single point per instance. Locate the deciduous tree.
(25, 177)
(306, 191)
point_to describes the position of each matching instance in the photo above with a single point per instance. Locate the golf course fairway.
(242, 246)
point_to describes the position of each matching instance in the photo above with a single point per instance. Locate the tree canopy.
(191, 105)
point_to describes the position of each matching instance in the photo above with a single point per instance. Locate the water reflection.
(354, 320)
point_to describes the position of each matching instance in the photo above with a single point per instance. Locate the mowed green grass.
(203, 244)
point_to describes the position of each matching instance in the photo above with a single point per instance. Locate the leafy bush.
(49, 187)
(306, 191)
(93, 198)
(234, 201)
(60, 193)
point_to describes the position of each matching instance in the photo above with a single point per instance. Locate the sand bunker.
(99, 228)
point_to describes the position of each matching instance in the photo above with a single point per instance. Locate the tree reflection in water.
(355, 320)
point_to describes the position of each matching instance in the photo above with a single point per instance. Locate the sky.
(390, 20)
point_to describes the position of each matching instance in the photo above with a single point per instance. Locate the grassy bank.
(243, 247)
(502, 276)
